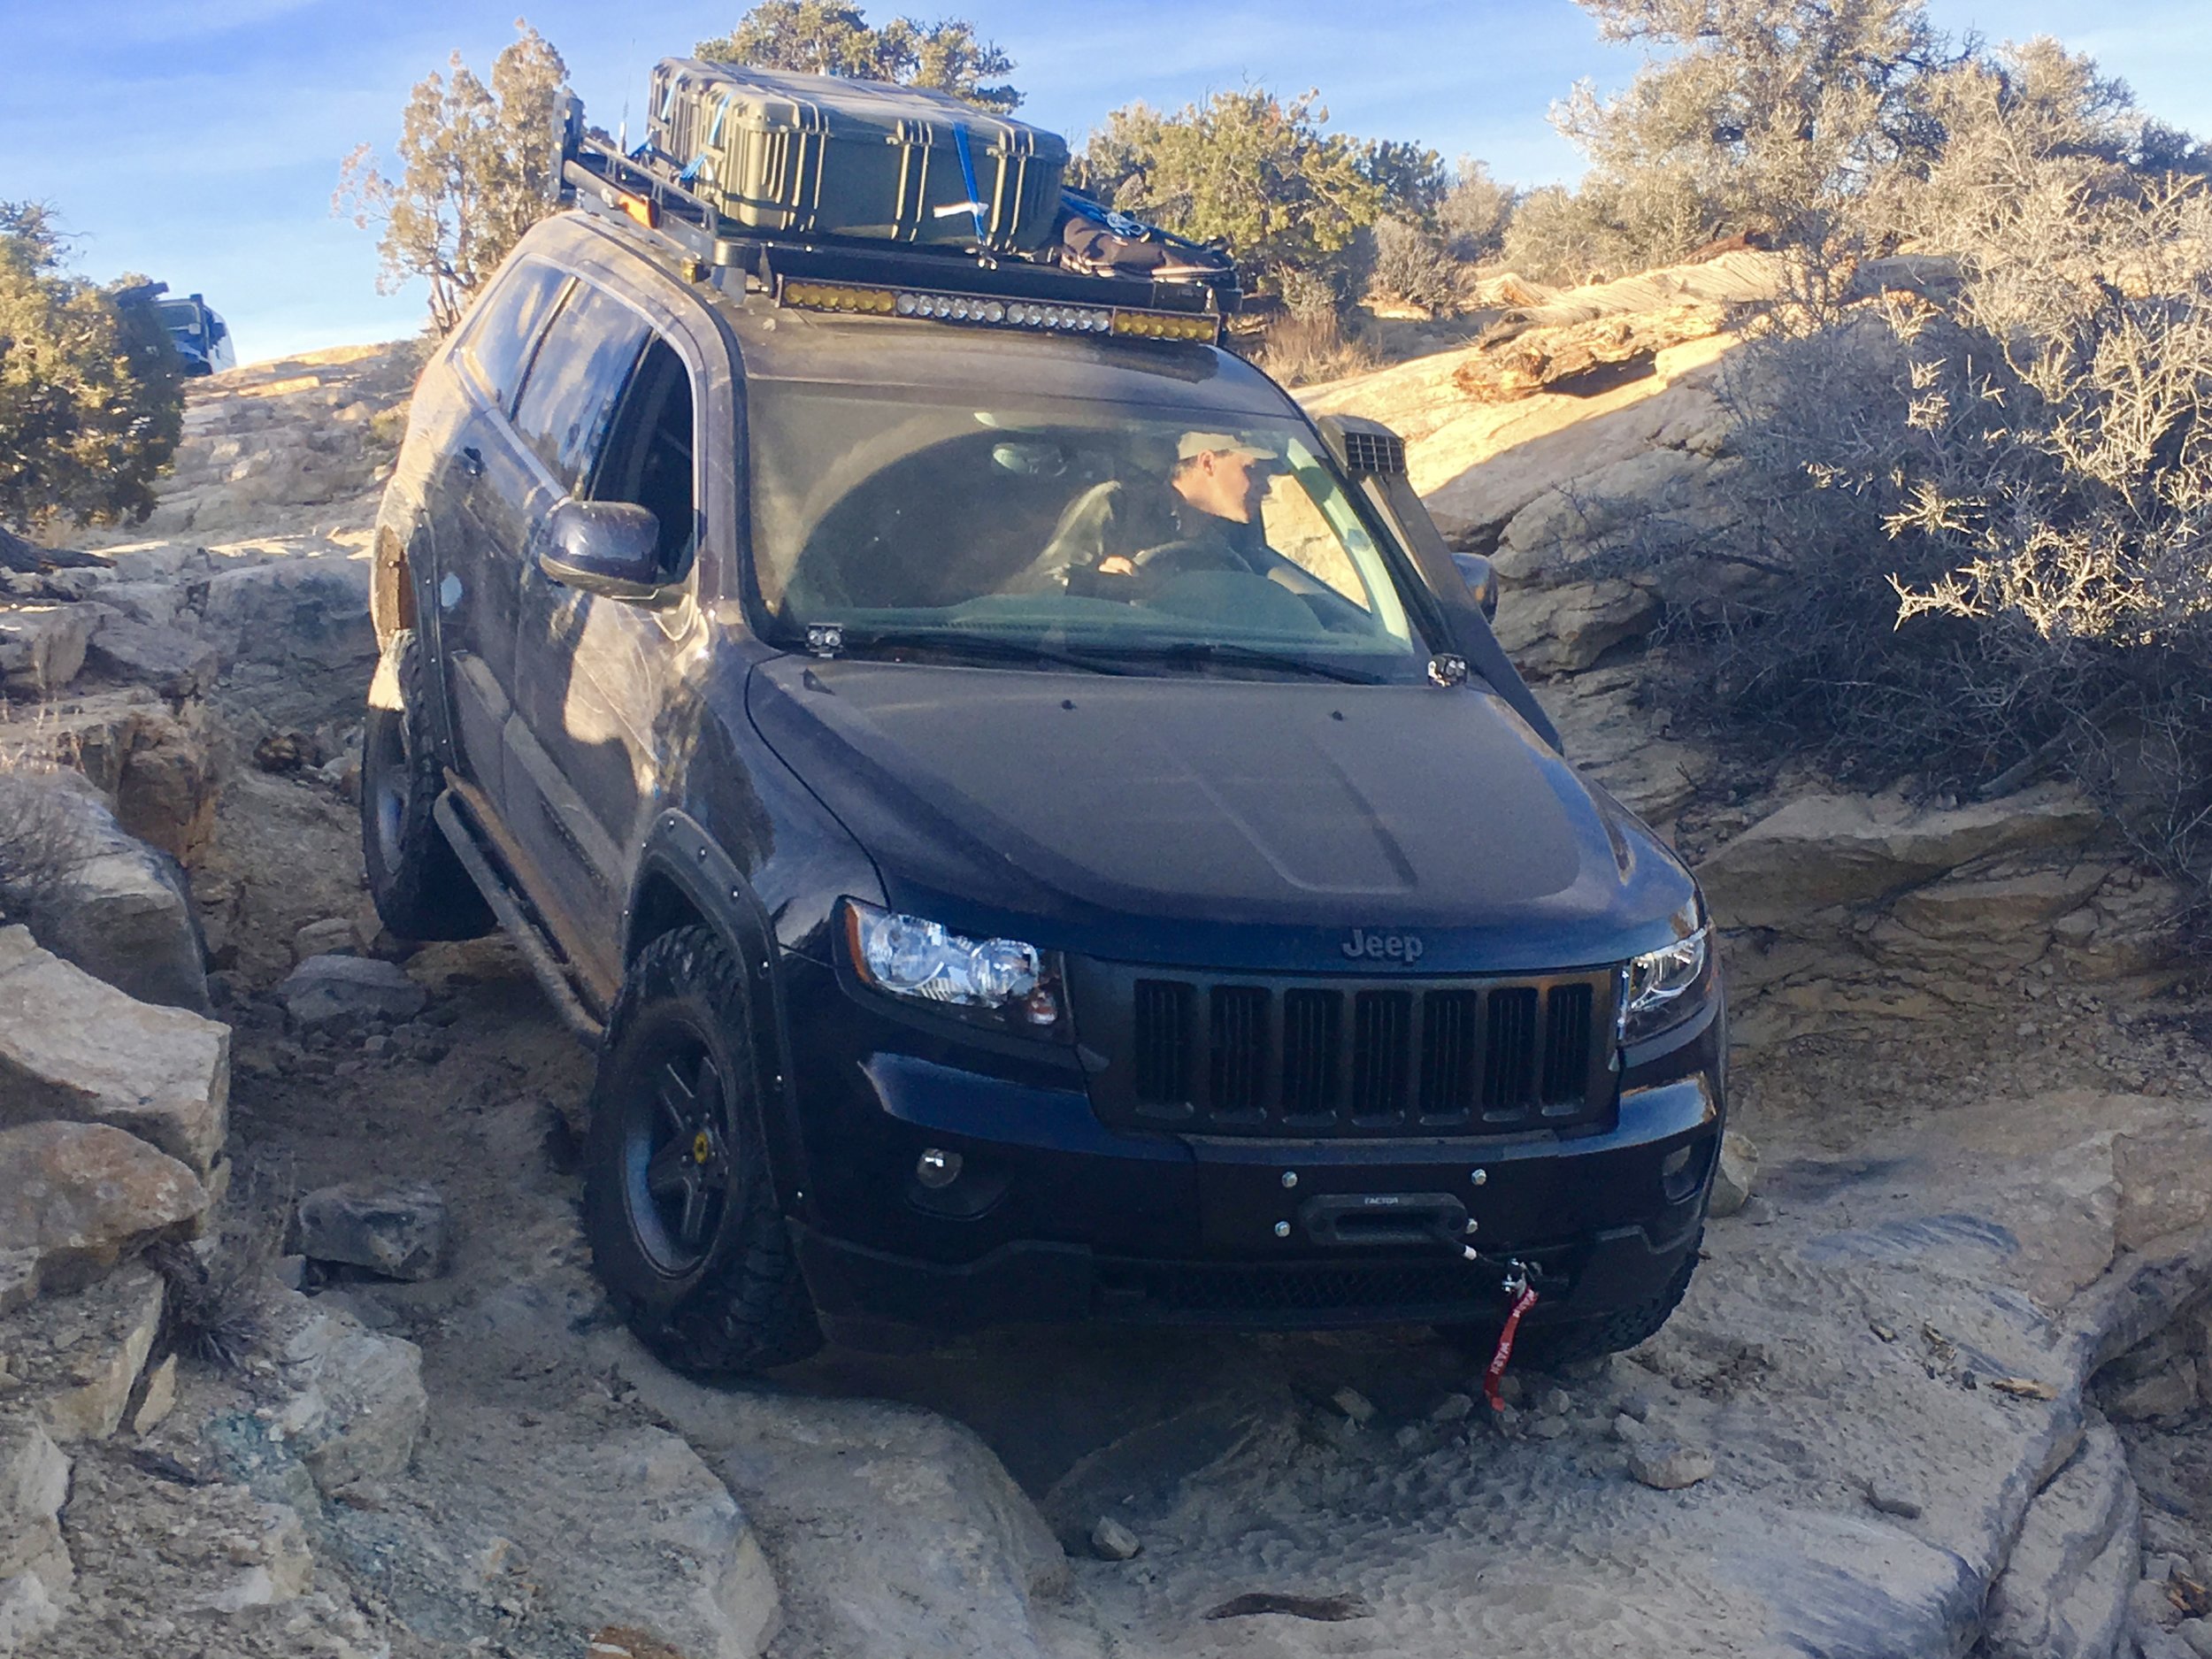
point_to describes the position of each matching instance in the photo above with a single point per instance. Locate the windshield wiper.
(1248, 657)
(995, 647)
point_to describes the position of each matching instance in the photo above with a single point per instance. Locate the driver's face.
(1229, 484)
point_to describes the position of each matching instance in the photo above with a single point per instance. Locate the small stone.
(2151, 1607)
(2196, 1635)
(1548, 1427)
(1554, 1402)
(333, 936)
(1638, 1405)
(1628, 1430)
(375, 1046)
(1409, 1437)
(335, 990)
(401, 1231)
(157, 1398)
(1355, 1405)
(2163, 1397)
(1738, 1169)
(1892, 1499)
(1452, 1408)
(1113, 1541)
(1512, 1388)
(1669, 1466)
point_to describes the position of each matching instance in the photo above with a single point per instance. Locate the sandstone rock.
(27, 1612)
(81, 1197)
(2064, 1590)
(73, 1048)
(124, 913)
(401, 1231)
(333, 936)
(308, 610)
(1892, 1497)
(1556, 630)
(157, 1398)
(78, 1357)
(42, 646)
(156, 605)
(1739, 1170)
(2165, 1396)
(34, 1486)
(1669, 1466)
(173, 661)
(1113, 1541)
(1822, 851)
(1453, 1408)
(1355, 1405)
(341, 990)
(356, 1402)
(2196, 1636)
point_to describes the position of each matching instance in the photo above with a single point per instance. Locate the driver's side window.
(1295, 529)
(648, 458)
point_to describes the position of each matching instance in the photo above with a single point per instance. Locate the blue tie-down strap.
(714, 133)
(967, 178)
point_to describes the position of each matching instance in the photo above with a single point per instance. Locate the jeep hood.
(1221, 821)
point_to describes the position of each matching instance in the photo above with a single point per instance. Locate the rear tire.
(419, 887)
(1548, 1348)
(682, 1218)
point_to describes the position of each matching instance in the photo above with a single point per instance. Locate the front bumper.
(1057, 1217)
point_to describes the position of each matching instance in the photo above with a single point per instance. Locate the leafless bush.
(42, 843)
(214, 1311)
(1410, 263)
(1984, 517)
(1475, 212)
(1304, 347)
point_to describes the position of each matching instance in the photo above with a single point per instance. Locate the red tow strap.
(1522, 1304)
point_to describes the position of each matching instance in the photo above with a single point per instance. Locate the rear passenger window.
(576, 380)
(496, 347)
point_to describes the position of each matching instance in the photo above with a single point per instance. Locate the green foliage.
(1262, 176)
(92, 405)
(479, 166)
(822, 38)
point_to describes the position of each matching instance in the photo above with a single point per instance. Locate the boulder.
(76, 1358)
(42, 646)
(124, 913)
(81, 1197)
(1825, 850)
(349, 990)
(308, 611)
(74, 1048)
(356, 1403)
(173, 661)
(401, 1231)
(1669, 1466)
(155, 771)
(1558, 630)
(2063, 1592)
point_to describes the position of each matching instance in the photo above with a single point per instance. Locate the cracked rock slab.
(75, 1048)
(79, 1198)
(75, 1359)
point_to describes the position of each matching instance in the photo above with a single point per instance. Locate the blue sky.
(198, 141)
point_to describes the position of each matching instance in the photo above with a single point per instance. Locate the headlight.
(1665, 987)
(1003, 980)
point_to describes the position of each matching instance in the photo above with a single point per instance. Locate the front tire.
(419, 887)
(679, 1209)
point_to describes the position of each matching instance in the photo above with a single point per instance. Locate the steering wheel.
(1187, 557)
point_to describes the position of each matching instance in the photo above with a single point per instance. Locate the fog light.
(937, 1169)
(1676, 1161)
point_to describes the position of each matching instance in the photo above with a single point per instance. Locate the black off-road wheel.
(419, 887)
(1548, 1348)
(678, 1205)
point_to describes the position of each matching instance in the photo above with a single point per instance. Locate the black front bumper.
(1058, 1218)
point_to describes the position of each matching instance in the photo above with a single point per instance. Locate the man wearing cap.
(1208, 515)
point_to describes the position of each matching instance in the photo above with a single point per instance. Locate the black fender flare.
(679, 851)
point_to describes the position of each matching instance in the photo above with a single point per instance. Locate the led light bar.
(853, 300)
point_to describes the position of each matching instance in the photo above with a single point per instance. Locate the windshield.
(1123, 537)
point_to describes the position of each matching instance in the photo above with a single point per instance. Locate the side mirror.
(1482, 581)
(609, 547)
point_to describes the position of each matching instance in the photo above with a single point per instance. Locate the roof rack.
(862, 276)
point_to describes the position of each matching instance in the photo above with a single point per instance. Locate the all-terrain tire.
(717, 1290)
(1548, 1348)
(419, 887)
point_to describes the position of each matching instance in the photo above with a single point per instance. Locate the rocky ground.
(302, 1356)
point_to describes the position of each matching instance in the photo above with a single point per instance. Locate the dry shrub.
(1410, 263)
(1305, 347)
(1982, 515)
(42, 842)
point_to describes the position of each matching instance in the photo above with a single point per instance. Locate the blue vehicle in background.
(202, 338)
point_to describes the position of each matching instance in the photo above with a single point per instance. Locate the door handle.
(472, 461)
